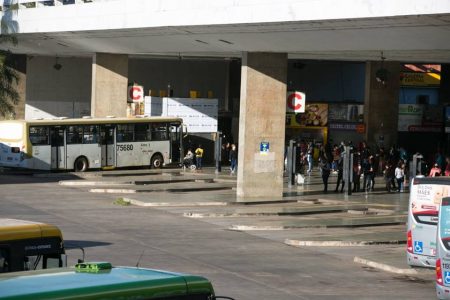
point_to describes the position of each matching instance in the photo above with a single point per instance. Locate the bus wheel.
(81, 164)
(157, 161)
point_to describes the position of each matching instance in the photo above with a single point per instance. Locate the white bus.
(423, 214)
(90, 143)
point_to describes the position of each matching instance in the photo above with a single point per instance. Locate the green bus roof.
(115, 283)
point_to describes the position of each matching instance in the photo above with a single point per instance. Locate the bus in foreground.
(90, 143)
(423, 214)
(26, 245)
(99, 280)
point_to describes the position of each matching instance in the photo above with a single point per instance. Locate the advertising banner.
(315, 115)
(419, 79)
(199, 115)
(420, 118)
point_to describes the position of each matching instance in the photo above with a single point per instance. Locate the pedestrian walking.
(199, 156)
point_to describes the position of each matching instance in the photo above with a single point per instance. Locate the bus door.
(176, 135)
(58, 150)
(40, 141)
(108, 145)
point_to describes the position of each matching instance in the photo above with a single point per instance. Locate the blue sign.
(264, 147)
(447, 277)
(418, 247)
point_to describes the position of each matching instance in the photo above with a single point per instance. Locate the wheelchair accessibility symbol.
(447, 277)
(418, 247)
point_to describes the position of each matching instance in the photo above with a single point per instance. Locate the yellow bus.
(26, 245)
(87, 143)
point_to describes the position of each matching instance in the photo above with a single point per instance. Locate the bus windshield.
(26, 245)
(444, 223)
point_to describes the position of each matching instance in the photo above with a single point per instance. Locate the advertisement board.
(199, 115)
(420, 118)
(315, 115)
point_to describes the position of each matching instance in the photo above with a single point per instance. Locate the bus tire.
(81, 164)
(157, 161)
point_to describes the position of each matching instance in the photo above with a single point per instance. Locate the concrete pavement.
(304, 216)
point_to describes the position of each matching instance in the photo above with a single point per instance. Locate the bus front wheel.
(81, 164)
(157, 161)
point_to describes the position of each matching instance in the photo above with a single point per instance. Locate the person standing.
(309, 157)
(325, 169)
(199, 156)
(340, 179)
(233, 158)
(435, 171)
(400, 175)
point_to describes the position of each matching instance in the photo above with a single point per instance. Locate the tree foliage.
(8, 76)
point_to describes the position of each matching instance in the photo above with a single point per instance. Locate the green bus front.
(101, 281)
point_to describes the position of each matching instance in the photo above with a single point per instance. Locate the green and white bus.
(100, 280)
(90, 143)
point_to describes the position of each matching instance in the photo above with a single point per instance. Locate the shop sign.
(410, 109)
(344, 126)
(135, 93)
(295, 102)
(419, 79)
(346, 112)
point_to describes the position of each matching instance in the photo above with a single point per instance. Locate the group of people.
(392, 165)
(229, 151)
(189, 161)
(230, 156)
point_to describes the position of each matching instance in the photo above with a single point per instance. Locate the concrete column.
(381, 103)
(262, 120)
(109, 85)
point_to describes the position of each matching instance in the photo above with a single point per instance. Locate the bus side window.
(125, 132)
(141, 133)
(159, 132)
(90, 134)
(39, 135)
(4, 260)
(74, 134)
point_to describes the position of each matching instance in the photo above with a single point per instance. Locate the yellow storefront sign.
(420, 79)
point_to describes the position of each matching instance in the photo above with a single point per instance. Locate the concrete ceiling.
(407, 39)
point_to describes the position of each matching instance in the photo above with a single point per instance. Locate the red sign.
(296, 102)
(136, 93)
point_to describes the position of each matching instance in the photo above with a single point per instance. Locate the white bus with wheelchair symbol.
(443, 251)
(423, 214)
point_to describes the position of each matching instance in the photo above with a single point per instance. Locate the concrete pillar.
(109, 85)
(381, 103)
(262, 122)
